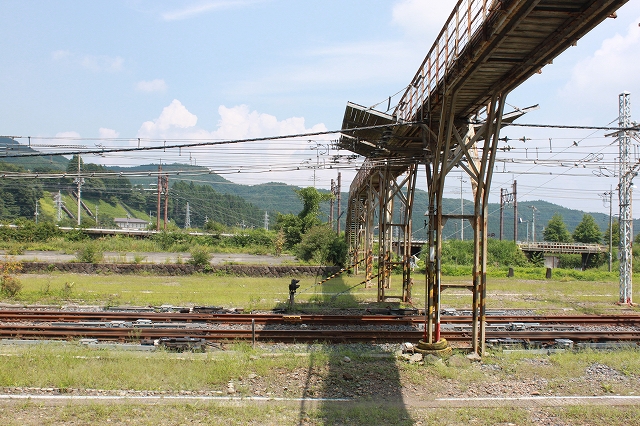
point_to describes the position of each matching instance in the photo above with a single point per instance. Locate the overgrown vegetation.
(200, 256)
(500, 254)
(10, 285)
(89, 252)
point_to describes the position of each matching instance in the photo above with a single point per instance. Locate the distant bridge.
(567, 248)
(450, 116)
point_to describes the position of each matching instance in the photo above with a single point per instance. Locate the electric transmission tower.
(57, 199)
(624, 195)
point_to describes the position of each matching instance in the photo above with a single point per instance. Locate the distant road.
(155, 257)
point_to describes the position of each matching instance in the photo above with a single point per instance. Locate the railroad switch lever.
(292, 291)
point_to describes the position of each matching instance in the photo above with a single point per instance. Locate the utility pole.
(506, 198)
(36, 214)
(515, 212)
(159, 196)
(187, 219)
(165, 187)
(332, 202)
(79, 180)
(501, 212)
(339, 192)
(97, 222)
(604, 201)
(461, 210)
(625, 198)
(610, 227)
(266, 220)
(533, 224)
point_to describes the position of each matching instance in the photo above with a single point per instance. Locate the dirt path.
(153, 257)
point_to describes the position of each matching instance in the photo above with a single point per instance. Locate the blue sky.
(250, 68)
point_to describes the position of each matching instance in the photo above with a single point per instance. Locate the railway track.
(150, 326)
(32, 332)
(26, 315)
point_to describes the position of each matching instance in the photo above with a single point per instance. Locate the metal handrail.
(467, 17)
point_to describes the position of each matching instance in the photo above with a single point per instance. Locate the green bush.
(456, 252)
(253, 237)
(166, 239)
(9, 284)
(200, 256)
(505, 253)
(320, 244)
(89, 253)
(499, 253)
(76, 235)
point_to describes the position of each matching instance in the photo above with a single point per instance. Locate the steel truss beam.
(392, 190)
(389, 197)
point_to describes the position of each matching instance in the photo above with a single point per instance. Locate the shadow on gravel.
(348, 384)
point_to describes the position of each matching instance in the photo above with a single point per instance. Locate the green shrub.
(200, 256)
(499, 253)
(320, 244)
(89, 253)
(456, 252)
(505, 253)
(76, 235)
(9, 284)
(168, 240)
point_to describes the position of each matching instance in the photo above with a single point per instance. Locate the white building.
(130, 223)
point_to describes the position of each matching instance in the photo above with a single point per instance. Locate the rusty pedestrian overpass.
(450, 116)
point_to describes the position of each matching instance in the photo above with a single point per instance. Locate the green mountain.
(252, 201)
(45, 163)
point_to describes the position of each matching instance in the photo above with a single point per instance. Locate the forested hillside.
(213, 198)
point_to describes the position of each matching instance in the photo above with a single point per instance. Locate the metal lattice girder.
(625, 185)
(394, 224)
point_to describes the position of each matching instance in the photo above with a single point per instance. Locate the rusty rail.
(31, 332)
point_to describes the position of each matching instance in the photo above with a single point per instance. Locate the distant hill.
(10, 146)
(278, 197)
(281, 197)
(272, 196)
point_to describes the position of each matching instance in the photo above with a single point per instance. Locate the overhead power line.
(202, 143)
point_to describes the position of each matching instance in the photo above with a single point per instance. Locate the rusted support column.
(481, 214)
(407, 223)
(435, 180)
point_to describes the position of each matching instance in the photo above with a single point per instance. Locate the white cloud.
(102, 63)
(66, 138)
(240, 123)
(204, 7)
(107, 133)
(59, 55)
(70, 134)
(157, 85)
(422, 18)
(591, 92)
(97, 63)
(617, 60)
(169, 124)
